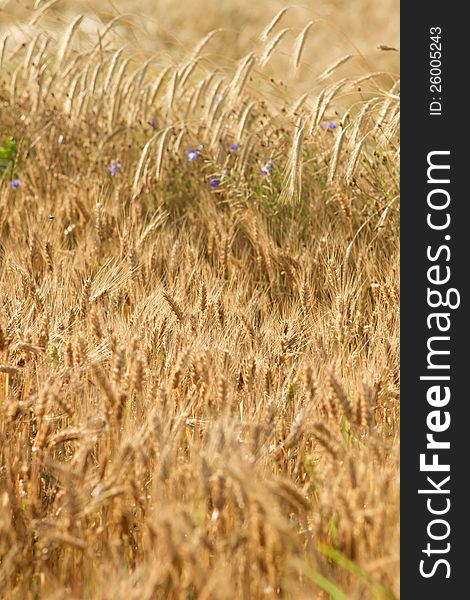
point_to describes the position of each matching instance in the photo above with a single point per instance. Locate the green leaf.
(379, 591)
(325, 584)
(8, 152)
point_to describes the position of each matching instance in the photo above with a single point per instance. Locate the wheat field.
(199, 295)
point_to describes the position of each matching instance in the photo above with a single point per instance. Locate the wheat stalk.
(336, 155)
(269, 49)
(3, 48)
(196, 53)
(299, 46)
(67, 40)
(241, 76)
(142, 162)
(272, 24)
(334, 67)
(292, 190)
(162, 146)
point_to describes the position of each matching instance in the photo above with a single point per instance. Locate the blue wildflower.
(152, 123)
(194, 154)
(215, 182)
(16, 183)
(234, 147)
(114, 167)
(328, 125)
(267, 168)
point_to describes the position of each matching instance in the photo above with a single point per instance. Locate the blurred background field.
(173, 27)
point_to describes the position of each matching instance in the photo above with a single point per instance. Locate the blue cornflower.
(215, 182)
(114, 167)
(194, 154)
(267, 168)
(153, 123)
(328, 125)
(16, 183)
(234, 147)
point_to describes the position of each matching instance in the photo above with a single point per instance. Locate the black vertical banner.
(435, 424)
